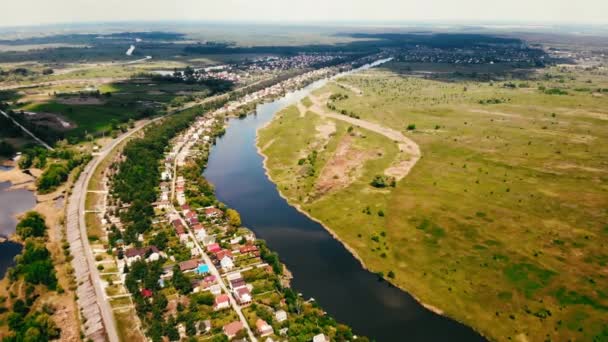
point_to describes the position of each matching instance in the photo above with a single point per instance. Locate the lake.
(12, 202)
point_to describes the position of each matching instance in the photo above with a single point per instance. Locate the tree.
(180, 281)
(6, 149)
(234, 219)
(53, 176)
(31, 225)
(36, 265)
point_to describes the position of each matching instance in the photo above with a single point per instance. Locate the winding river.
(322, 267)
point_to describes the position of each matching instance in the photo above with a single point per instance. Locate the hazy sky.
(31, 12)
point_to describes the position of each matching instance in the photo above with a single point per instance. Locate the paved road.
(92, 300)
(27, 131)
(213, 270)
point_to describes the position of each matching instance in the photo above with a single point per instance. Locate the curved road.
(92, 300)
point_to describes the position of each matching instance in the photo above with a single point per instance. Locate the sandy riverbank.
(53, 211)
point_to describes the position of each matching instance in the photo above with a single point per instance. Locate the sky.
(37, 12)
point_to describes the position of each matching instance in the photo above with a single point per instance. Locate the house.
(223, 253)
(320, 338)
(199, 231)
(248, 249)
(134, 254)
(215, 290)
(188, 265)
(163, 205)
(213, 248)
(237, 283)
(231, 329)
(183, 237)
(165, 175)
(280, 315)
(146, 293)
(203, 327)
(221, 302)
(178, 226)
(227, 263)
(263, 328)
(212, 212)
(243, 295)
(209, 239)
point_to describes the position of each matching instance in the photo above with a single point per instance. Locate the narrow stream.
(321, 266)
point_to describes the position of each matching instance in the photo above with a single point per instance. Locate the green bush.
(31, 225)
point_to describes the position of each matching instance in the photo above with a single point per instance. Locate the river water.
(322, 267)
(12, 202)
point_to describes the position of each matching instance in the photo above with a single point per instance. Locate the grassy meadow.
(503, 222)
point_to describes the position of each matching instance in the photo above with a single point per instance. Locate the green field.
(502, 223)
(126, 100)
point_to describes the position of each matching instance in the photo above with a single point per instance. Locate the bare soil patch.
(325, 130)
(401, 168)
(302, 109)
(52, 120)
(341, 169)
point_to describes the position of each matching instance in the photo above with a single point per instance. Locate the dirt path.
(352, 88)
(398, 170)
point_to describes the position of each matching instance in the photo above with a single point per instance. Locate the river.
(322, 267)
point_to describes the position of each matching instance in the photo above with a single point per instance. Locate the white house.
(221, 302)
(215, 289)
(320, 338)
(280, 315)
(227, 263)
(165, 175)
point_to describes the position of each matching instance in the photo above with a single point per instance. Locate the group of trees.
(31, 225)
(270, 257)
(35, 265)
(381, 181)
(28, 325)
(56, 173)
(137, 178)
(196, 77)
(35, 262)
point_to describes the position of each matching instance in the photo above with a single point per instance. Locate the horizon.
(315, 12)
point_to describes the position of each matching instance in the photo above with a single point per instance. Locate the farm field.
(502, 222)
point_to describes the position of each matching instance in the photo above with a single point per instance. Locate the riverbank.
(324, 225)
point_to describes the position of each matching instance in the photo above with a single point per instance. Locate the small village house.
(232, 329)
(263, 328)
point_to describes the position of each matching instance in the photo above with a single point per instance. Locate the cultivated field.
(501, 224)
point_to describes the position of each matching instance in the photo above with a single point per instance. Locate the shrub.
(32, 225)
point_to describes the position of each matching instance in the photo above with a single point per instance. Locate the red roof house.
(213, 248)
(231, 329)
(146, 293)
